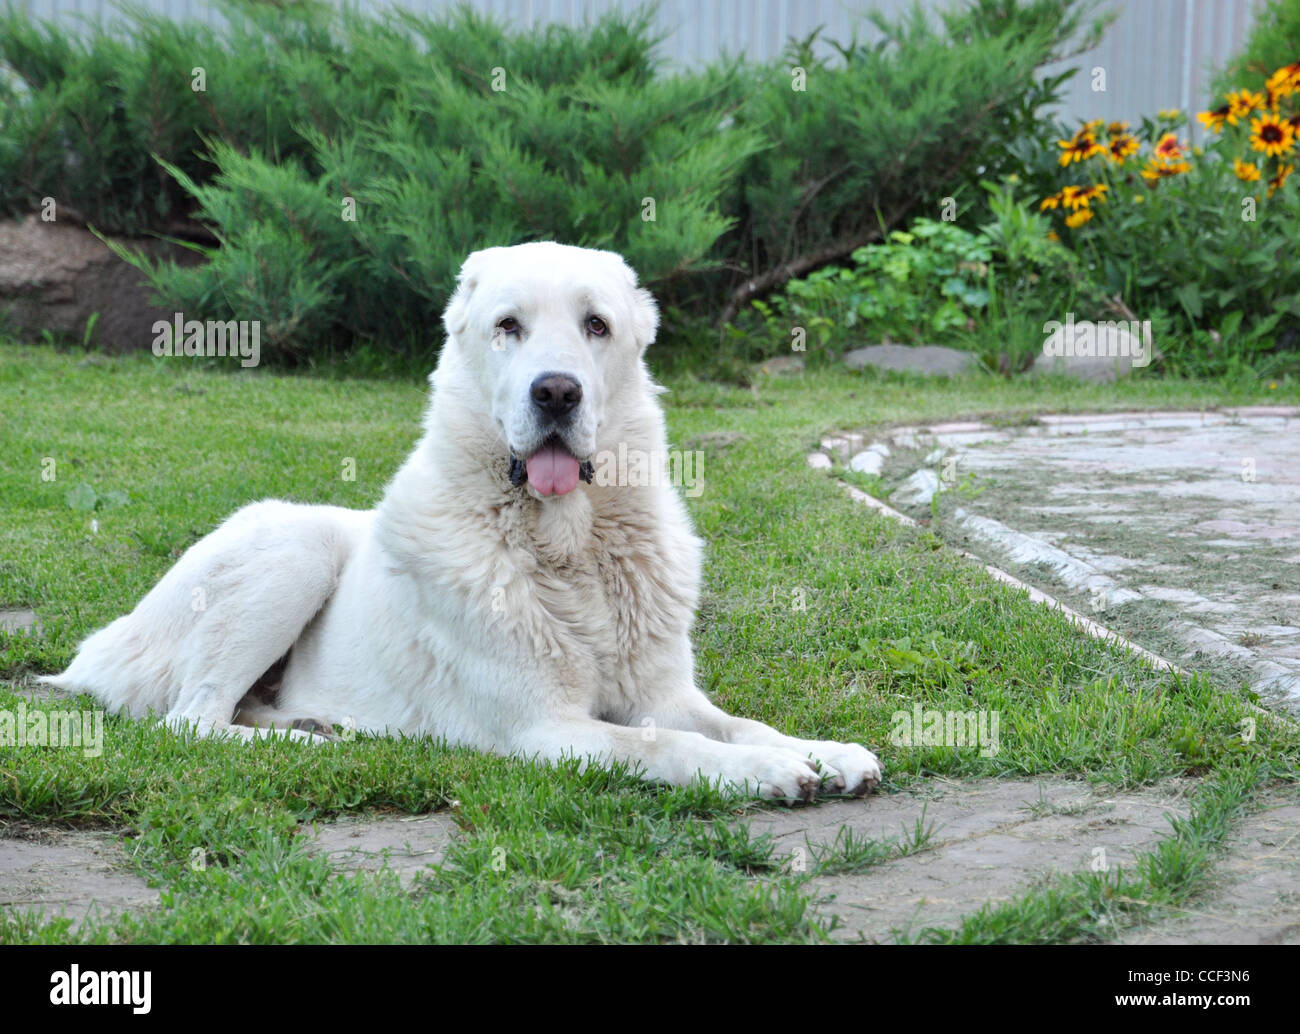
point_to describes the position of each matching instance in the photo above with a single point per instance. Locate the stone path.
(68, 873)
(988, 841)
(406, 844)
(1258, 896)
(1179, 530)
(991, 840)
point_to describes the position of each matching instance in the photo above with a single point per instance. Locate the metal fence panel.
(1158, 54)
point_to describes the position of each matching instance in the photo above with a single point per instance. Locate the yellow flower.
(1271, 135)
(1052, 235)
(1052, 202)
(1121, 146)
(1283, 171)
(1080, 147)
(1084, 196)
(1117, 128)
(1272, 385)
(1157, 170)
(1247, 172)
(1169, 149)
(1138, 199)
(1078, 218)
(1243, 102)
(1070, 197)
(1214, 120)
(1285, 81)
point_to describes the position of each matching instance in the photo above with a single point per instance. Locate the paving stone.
(991, 840)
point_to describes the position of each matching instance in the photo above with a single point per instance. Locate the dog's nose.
(555, 394)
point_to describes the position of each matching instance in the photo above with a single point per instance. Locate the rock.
(933, 360)
(917, 490)
(867, 463)
(1120, 352)
(782, 364)
(55, 276)
(819, 461)
(1083, 368)
(871, 460)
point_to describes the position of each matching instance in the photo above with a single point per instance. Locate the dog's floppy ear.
(645, 313)
(456, 316)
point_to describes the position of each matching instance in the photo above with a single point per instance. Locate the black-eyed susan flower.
(1070, 196)
(1247, 172)
(1052, 202)
(1077, 219)
(1080, 147)
(1286, 80)
(1083, 197)
(1276, 182)
(1215, 118)
(1121, 146)
(1243, 102)
(1271, 135)
(1168, 149)
(1156, 170)
(1117, 129)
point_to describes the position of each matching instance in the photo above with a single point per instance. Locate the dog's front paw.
(775, 773)
(847, 767)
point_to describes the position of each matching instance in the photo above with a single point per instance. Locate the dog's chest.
(608, 604)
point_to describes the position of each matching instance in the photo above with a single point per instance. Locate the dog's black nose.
(555, 394)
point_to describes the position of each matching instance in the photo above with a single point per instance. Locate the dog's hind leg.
(257, 609)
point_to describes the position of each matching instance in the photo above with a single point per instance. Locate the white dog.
(497, 597)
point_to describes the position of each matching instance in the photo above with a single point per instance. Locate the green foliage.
(93, 109)
(344, 224)
(1034, 278)
(84, 497)
(1274, 41)
(893, 127)
(345, 163)
(917, 287)
(988, 291)
(1188, 243)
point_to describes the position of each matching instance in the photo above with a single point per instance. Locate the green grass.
(808, 601)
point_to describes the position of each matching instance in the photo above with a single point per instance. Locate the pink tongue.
(552, 471)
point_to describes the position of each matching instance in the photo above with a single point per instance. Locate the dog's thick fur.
(469, 606)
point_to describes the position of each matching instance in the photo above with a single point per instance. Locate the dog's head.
(549, 338)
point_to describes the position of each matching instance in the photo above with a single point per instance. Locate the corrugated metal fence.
(1158, 54)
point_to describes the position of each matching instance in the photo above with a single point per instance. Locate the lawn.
(806, 596)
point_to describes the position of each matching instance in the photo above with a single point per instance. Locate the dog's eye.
(596, 326)
(509, 325)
